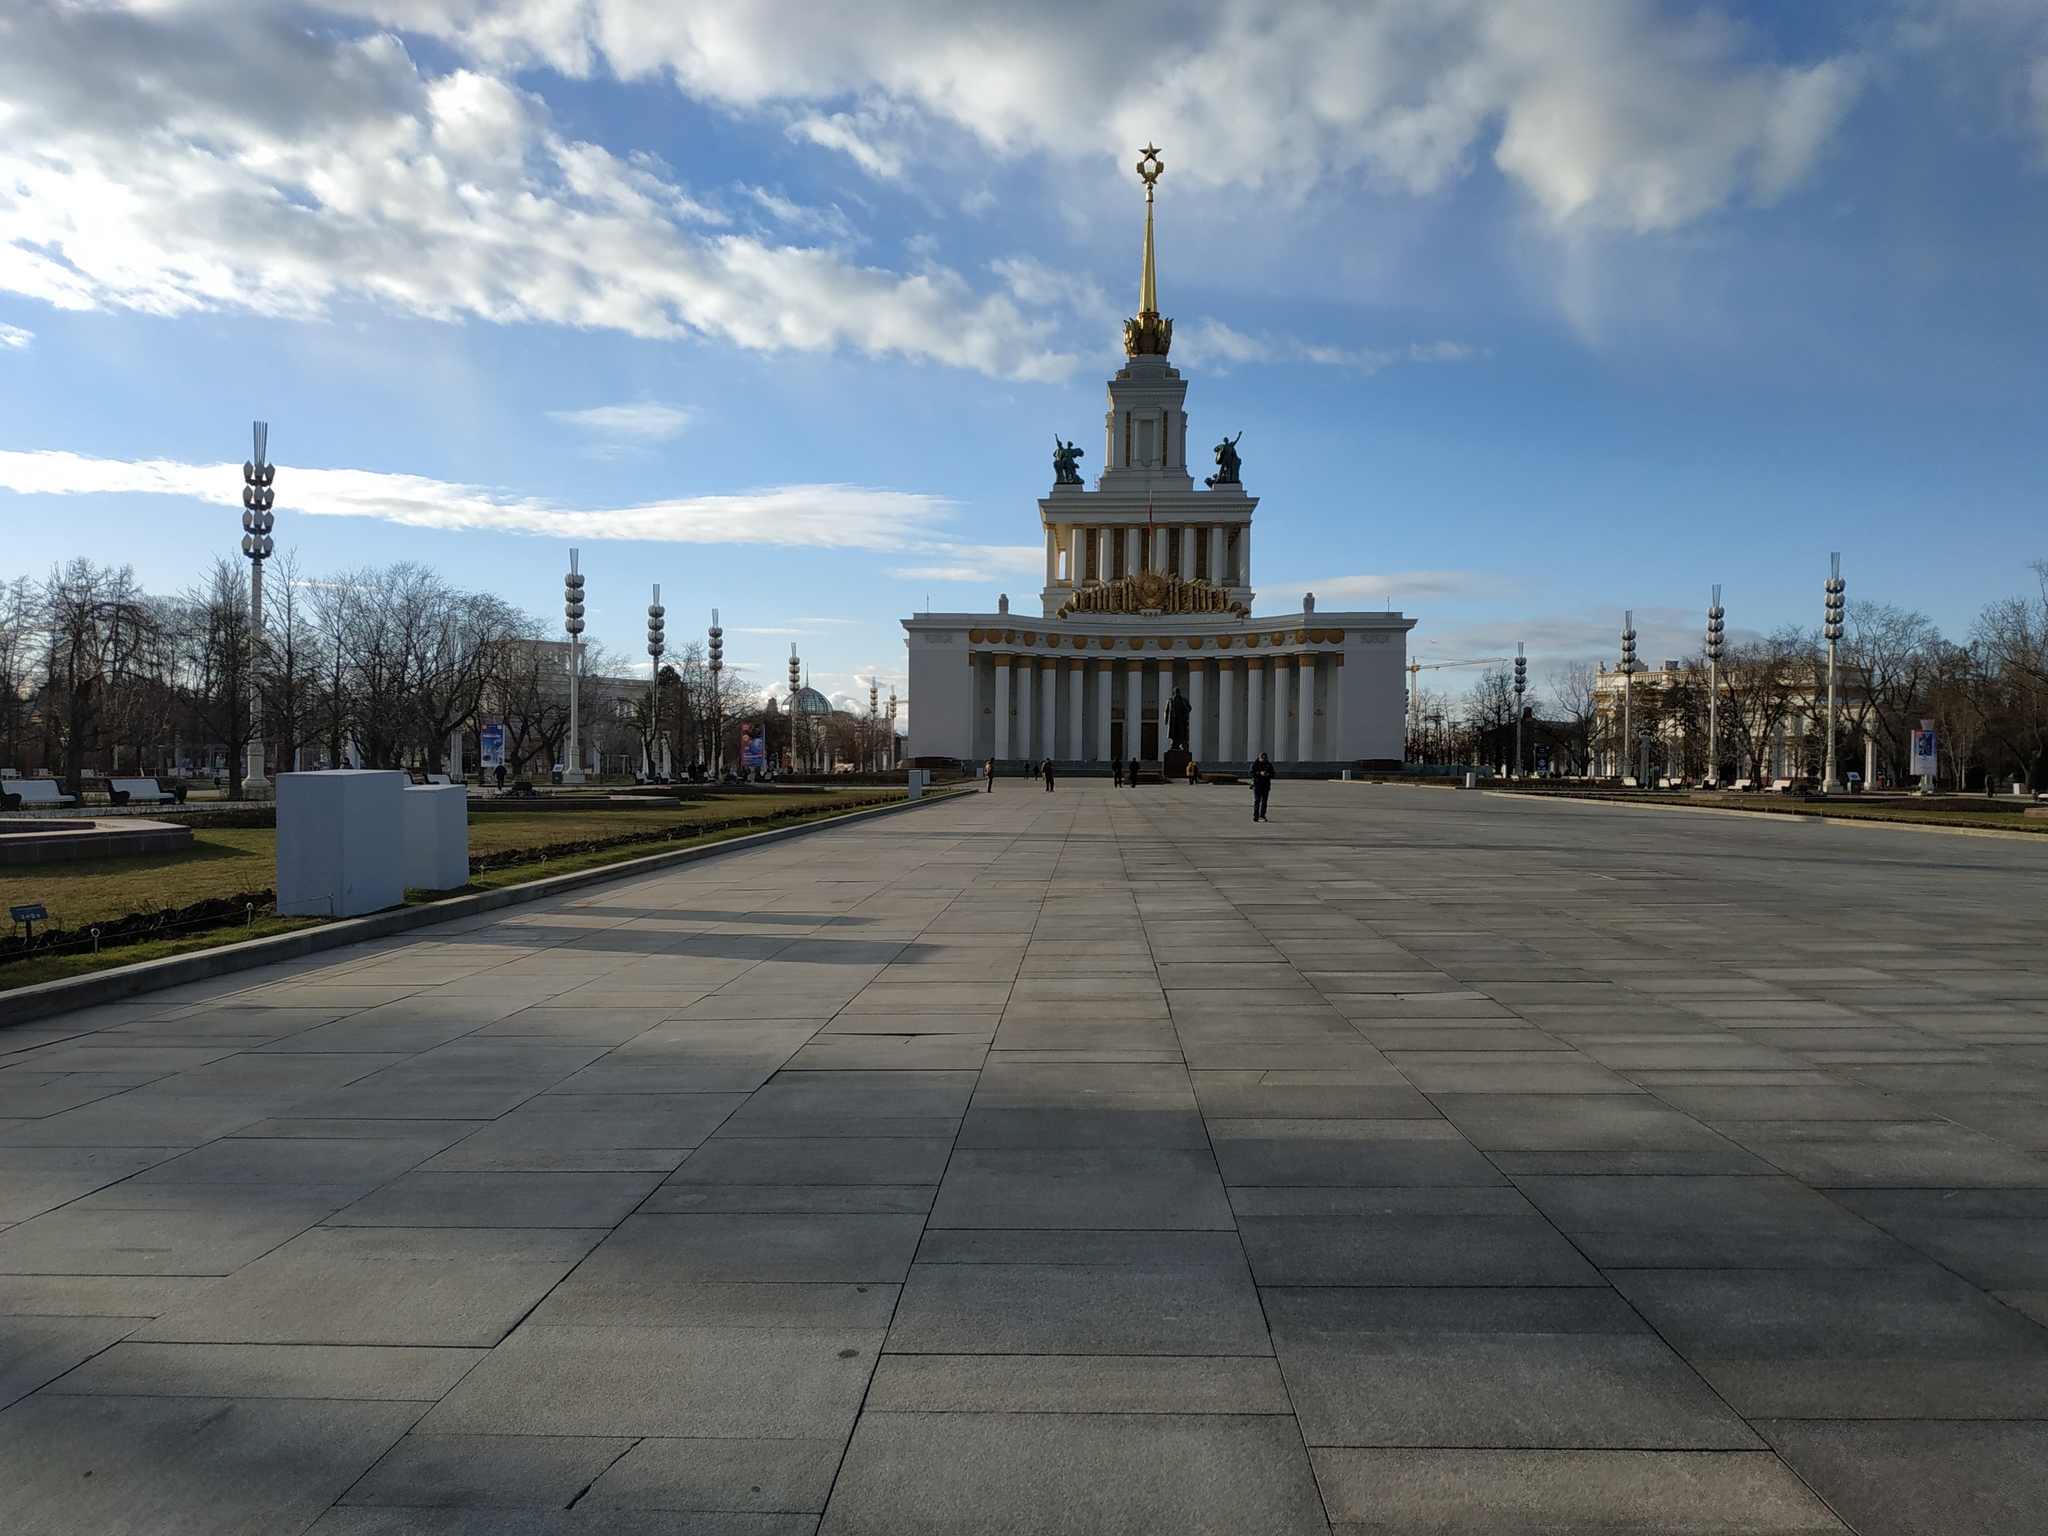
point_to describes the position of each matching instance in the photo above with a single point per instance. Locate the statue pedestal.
(1175, 764)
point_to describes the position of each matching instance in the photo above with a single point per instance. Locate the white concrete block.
(340, 842)
(436, 836)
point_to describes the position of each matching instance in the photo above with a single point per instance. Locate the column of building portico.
(1216, 566)
(1021, 674)
(1077, 556)
(1133, 549)
(1226, 709)
(1333, 711)
(1002, 743)
(1283, 682)
(1052, 557)
(1254, 706)
(1198, 698)
(1077, 741)
(1159, 536)
(1305, 672)
(1134, 708)
(1105, 701)
(1049, 708)
(1187, 554)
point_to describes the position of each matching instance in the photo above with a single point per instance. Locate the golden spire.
(1148, 333)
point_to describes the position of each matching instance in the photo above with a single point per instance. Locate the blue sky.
(1529, 311)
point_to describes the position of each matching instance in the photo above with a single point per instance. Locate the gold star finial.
(1149, 167)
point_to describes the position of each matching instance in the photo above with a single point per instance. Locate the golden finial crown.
(1150, 166)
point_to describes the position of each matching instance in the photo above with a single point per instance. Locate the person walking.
(1131, 778)
(988, 772)
(1262, 786)
(1116, 773)
(501, 778)
(1045, 772)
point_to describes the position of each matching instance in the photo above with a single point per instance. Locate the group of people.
(1262, 779)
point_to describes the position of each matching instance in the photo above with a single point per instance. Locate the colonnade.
(1286, 704)
(1179, 550)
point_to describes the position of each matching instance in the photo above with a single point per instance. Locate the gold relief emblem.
(1315, 637)
(1223, 642)
(1137, 643)
(1336, 637)
(1166, 642)
(974, 637)
(1251, 640)
(1031, 637)
(1010, 637)
(1194, 642)
(1107, 643)
(1301, 637)
(1053, 641)
(1152, 592)
(1278, 637)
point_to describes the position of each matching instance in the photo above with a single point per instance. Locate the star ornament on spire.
(1149, 168)
(1149, 332)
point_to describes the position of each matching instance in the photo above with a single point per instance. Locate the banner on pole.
(492, 737)
(753, 749)
(1926, 760)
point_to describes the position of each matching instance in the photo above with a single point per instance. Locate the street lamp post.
(891, 763)
(657, 643)
(716, 665)
(796, 681)
(1628, 683)
(874, 724)
(1521, 687)
(572, 621)
(1832, 629)
(1715, 616)
(258, 474)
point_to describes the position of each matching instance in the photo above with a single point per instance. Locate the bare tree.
(1574, 694)
(95, 618)
(1890, 661)
(214, 663)
(1759, 682)
(20, 661)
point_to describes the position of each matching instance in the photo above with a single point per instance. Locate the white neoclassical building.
(1148, 592)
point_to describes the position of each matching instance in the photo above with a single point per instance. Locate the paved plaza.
(1419, 1161)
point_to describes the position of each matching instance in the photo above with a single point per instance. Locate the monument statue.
(1065, 456)
(1177, 721)
(1227, 464)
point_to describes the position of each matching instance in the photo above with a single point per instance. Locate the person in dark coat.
(1116, 773)
(1131, 777)
(989, 773)
(1262, 786)
(1045, 772)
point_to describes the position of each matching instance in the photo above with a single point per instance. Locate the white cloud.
(828, 516)
(979, 562)
(1605, 112)
(14, 337)
(247, 161)
(645, 421)
(1396, 587)
(1212, 344)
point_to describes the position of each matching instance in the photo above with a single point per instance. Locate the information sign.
(493, 739)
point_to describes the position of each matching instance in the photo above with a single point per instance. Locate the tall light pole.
(1628, 696)
(657, 643)
(572, 621)
(1715, 616)
(258, 474)
(715, 666)
(1521, 687)
(892, 730)
(796, 681)
(874, 724)
(1832, 785)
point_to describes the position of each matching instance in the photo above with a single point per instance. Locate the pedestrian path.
(1094, 1161)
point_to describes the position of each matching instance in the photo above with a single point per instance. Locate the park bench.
(26, 792)
(144, 791)
(439, 778)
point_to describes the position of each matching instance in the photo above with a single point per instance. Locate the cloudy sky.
(1529, 311)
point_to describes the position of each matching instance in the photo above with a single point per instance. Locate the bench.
(439, 778)
(147, 791)
(28, 792)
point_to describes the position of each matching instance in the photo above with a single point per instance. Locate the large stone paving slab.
(1418, 1161)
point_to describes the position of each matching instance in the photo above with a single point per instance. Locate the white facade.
(1148, 589)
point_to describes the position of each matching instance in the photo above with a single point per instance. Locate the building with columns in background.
(1148, 593)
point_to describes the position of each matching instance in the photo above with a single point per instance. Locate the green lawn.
(223, 863)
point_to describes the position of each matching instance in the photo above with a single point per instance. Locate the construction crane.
(1414, 694)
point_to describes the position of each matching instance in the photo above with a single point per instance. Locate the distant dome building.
(808, 701)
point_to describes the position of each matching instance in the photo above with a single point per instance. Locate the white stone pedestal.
(436, 836)
(340, 842)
